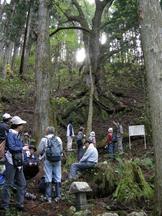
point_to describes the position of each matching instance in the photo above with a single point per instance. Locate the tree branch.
(83, 20)
(100, 6)
(78, 7)
(80, 18)
(68, 28)
(107, 55)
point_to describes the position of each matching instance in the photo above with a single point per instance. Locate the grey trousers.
(13, 176)
(75, 167)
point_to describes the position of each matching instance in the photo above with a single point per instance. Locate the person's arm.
(85, 156)
(60, 141)
(41, 146)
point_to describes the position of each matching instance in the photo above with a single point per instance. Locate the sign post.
(137, 130)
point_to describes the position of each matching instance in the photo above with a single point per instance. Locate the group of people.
(114, 139)
(10, 130)
(80, 139)
(50, 149)
(18, 153)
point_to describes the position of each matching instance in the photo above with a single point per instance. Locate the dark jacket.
(4, 129)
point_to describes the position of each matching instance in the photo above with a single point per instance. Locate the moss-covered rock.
(132, 185)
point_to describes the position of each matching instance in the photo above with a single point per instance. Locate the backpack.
(2, 149)
(80, 138)
(17, 158)
(114, 138)
(53, 151)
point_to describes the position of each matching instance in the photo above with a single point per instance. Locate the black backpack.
(53, 151)
(114, 138)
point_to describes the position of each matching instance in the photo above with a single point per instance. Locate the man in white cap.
(14, 165)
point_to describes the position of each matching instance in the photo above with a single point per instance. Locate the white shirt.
(68, 130)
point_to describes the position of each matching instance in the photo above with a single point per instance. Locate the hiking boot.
(49, 200)
(20, 207)
(30, 196)
(57, 199)
(43, 198)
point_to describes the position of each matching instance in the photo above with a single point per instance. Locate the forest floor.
(132, 99)
(97, 205)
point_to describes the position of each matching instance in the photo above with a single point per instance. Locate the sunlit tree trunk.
(43, 66)
(151, 28)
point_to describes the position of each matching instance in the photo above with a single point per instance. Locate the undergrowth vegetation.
(124, 180)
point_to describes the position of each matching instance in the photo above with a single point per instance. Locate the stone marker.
(80, 189)
(108, 214)
(141, 213)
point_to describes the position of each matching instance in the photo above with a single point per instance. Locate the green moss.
(70, 159)
(132, 185)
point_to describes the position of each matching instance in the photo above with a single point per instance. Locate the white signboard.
(137, 130)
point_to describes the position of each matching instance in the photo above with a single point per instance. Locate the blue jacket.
(14, 144)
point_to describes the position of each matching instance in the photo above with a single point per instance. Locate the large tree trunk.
(43, 66)
(151, 29)
(26, 45)
(91, 95)
(7, 58)
(94, 55)
(15, 53)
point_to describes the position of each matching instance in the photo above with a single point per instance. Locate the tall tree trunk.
(2, 5)
(94, 55)
(43, 66)
(7, 58)
(15, 51)
(151, 30)
(91, 95)
(26, 44)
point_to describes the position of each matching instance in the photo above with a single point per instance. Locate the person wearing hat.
(26, 138)
(14, 165)
(4, 126)
(30, 152)
(110, 144)
(31, 167)
(89, 160)
(92, 137)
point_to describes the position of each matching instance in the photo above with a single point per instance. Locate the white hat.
(6, 116)
(110, 130)
(16, 120)
(92, 134)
